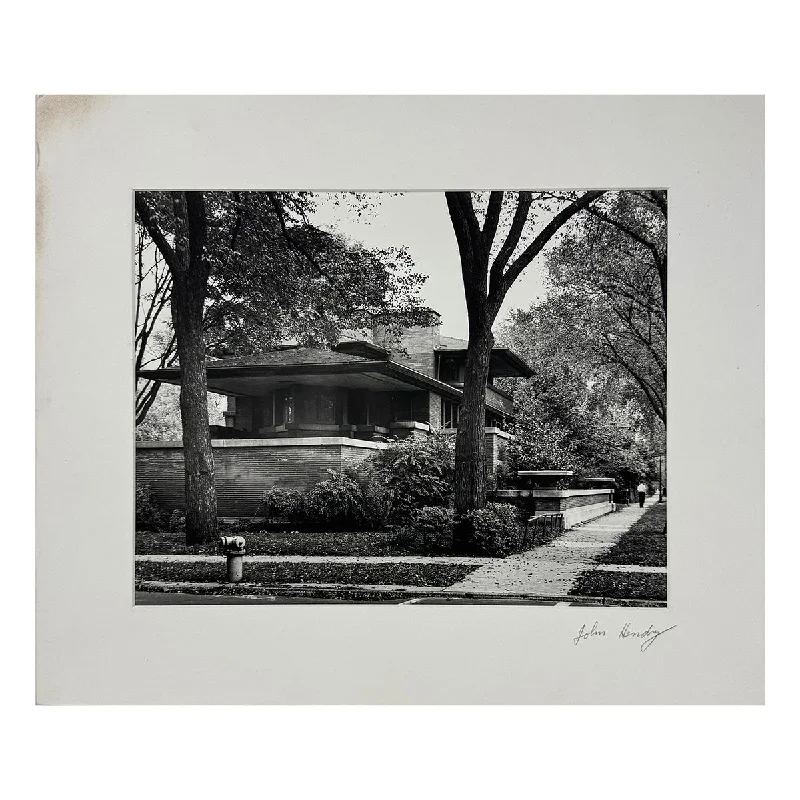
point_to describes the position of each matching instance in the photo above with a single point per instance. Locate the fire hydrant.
(233, 548)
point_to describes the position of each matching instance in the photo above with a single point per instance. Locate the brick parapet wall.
(245, 468)
(555, 500)
(576, 505)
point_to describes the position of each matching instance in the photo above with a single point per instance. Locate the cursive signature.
(583, 634)
(647, 635)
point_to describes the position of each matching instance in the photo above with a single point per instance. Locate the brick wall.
(419, 344)
(244, 471)
(434, 410)
(495, 448)
(585, 500)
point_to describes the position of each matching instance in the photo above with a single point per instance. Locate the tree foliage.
(272, 277)
(607, 293)
(163, 420)
(596, 402)
(498, 234)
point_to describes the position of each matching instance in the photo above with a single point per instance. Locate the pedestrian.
(642, 490)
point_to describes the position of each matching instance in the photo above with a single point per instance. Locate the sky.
(419, 220)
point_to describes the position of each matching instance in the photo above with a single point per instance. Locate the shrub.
(177, 521)
(539, 445)
(149, 515)
(412, 473)
(503, 476)
(342, 502)
(432, 528)
(277, 502)
(336, 502)
(494, 530)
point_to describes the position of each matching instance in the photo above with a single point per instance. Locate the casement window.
(264, 412)
(403, 406)
(284, 406)
(318, 405)
(450, 413)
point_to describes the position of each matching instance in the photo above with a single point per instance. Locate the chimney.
(412, 346)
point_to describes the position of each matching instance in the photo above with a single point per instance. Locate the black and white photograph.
(410, 397)
(342, 400)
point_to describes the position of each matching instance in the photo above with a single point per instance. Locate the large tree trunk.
(470, 466)
(188, 299)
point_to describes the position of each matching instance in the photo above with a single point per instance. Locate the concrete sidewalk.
(552, 569)
(469, 561)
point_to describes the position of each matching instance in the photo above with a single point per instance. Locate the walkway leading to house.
(552, 569)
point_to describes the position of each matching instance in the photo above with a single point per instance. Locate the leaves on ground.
(280, 573)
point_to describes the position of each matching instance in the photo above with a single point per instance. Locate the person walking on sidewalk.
(642, 490)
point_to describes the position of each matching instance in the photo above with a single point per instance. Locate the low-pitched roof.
(289, 356)
(282, 364)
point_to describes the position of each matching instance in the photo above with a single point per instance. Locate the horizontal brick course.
(243, 473)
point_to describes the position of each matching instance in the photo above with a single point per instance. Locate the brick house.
(294, 412)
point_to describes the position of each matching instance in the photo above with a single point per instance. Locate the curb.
(373, 593)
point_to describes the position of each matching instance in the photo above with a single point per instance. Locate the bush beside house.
(408, 487)
(495, 530)
(149, 515)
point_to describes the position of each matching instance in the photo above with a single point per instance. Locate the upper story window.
(451, 370)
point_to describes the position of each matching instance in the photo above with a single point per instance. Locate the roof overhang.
(362, 348)
(504, 363)
(253, 379)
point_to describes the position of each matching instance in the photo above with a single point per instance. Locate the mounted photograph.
(401, 397)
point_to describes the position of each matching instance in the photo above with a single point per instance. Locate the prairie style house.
(294, 412)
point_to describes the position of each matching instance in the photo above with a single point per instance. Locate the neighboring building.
(294, 412)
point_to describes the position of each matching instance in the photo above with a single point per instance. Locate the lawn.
(289, 543)
(621, 585)
(280, 573)
(645, 544)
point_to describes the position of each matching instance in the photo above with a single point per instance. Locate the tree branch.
(536, 246)
(297, 246)
(524, 201)
(649, 391)
(658, 259)
(492, 219)
(474, 288)
(151, 226)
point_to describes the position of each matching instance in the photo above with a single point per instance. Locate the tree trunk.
(201, 497)
(470, 464)
(188, 299)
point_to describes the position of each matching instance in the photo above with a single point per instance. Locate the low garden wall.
(576, 505)
(245, 468)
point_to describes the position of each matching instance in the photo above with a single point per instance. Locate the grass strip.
(287, 543)
(645, 544)
(621, 585)
(365, 574)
